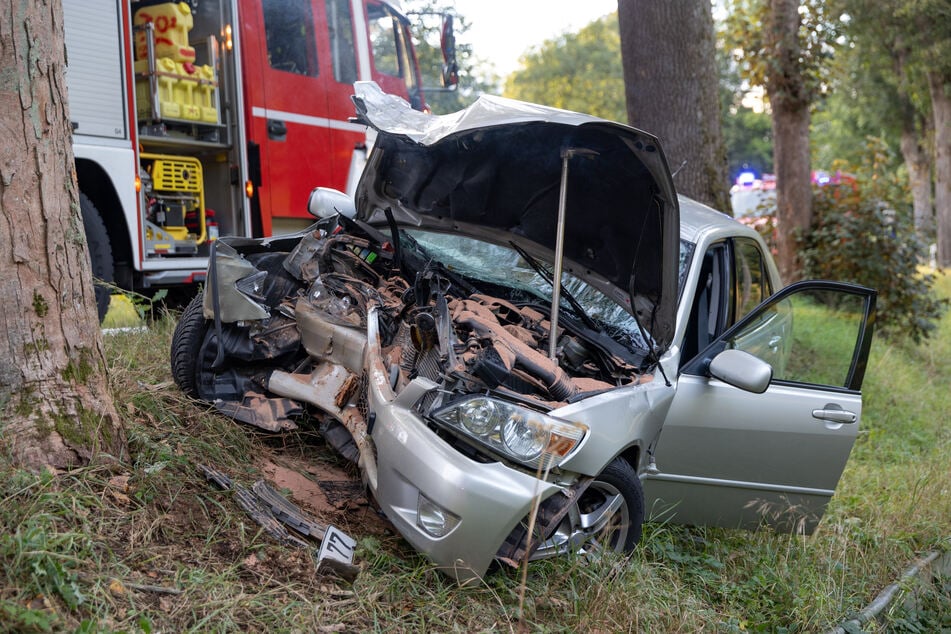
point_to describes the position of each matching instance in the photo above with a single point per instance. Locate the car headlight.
(520, 433)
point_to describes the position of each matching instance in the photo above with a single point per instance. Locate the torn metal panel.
(329, 341)
(323, 388)
(288, 512)
(274, 513)
(271, 414)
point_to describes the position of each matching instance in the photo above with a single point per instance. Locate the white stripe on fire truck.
(318, 122)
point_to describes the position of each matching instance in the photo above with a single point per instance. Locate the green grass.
(149, 546)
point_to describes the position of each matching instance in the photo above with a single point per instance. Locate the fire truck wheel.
(100, 254)
(186, 342)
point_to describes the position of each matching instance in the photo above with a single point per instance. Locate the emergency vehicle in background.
(193, 120)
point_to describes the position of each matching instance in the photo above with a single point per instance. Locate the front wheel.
(187, 343)
(608, 517)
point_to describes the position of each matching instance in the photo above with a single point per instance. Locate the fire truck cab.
(197, 119)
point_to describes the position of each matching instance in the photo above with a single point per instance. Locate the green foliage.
(863, 233)
(876, 84)
(750, 34)
(748, 137)
(576, 71)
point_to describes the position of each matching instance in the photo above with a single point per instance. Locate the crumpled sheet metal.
(271, 414)
(231, 266)
(330, 387)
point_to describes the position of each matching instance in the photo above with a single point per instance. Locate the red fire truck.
(217, 117)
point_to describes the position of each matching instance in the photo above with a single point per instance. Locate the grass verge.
(149, 546)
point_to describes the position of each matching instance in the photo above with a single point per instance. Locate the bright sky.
(502, 30)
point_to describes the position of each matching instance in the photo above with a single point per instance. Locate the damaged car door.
(730, 457)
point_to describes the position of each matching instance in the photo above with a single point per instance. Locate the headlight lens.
(524, 438)
(522, 434)
(480, 416)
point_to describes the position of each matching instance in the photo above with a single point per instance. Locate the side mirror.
(325, 202)
(447, 42)
(743, 370)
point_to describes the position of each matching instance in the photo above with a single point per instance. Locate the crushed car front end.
(425, 332)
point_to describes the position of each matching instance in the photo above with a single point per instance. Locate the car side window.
(750, 282)
(709, 315)
(810, 337)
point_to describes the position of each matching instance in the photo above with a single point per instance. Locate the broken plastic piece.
(288, 512)
(261, 514)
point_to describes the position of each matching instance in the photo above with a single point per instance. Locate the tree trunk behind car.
(790, 97)
(55, 405)
(670, 79)
(938, 84)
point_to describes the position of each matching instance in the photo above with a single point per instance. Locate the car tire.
(186, 342)
(617, 493)
(100, 254)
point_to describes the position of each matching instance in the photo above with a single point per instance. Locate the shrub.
(862, 232)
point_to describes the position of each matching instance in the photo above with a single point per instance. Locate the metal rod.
(559, 253)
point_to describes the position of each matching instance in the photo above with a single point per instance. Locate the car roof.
(697, 220)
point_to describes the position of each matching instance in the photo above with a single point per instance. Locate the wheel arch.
(96, 184)
(632, 456)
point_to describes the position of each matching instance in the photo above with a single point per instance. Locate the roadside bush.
(862, 232)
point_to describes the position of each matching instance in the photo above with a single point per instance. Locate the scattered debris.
(274, 513)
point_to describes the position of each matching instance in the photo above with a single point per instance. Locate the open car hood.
(493, 171)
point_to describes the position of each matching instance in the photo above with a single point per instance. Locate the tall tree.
(783, 45)
(55, 406)
(913, 40)
(939, 86)
(884, 87)
(930, 36)
(576, 71)
(670, 77)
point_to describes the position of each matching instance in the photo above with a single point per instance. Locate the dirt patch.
(331, 493)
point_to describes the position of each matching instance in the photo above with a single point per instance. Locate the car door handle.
(835, 415)
(276, 129)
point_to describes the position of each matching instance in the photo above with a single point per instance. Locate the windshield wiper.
(541, 270)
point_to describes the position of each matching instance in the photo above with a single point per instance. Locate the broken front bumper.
(420, 477)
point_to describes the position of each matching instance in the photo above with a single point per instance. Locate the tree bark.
(56, 409)
(670, 78)
(939, 87)
(918, 162)
(915, 127)
(790, 100)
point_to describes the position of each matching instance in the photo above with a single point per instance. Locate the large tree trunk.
(918, 162)
(793, 187)
(790, 101)
(939, 85)
(670, 79)
(915, 127)
(55, 406)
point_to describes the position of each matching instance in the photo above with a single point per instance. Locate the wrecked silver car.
(496, 414)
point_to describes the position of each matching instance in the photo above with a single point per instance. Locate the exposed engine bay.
(466, 335)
